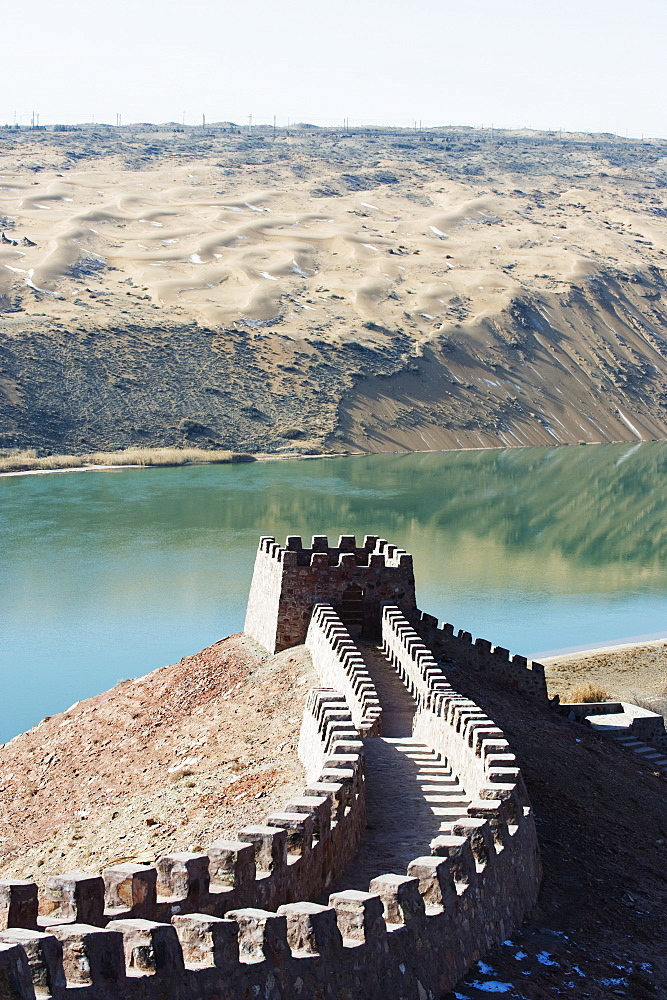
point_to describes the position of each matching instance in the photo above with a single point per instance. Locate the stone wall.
(410, 937)
(460, 650)
(294, 854)
(261, 621)
(453, 725)
(288, 582)
(410, 656)
(339, 664)
(238, 920)
(628, 719)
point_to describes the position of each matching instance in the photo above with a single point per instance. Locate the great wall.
(312, 903)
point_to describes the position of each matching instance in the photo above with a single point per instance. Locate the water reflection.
(107, 575)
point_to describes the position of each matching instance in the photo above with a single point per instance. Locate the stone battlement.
(454, 725)
(294, 854)
(460, 649)
(339, 663)
(289, 581)
(238, 919)
(374, 552)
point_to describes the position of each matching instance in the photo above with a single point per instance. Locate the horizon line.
(325, 125)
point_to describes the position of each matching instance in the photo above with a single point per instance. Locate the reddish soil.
(93, 785)
(170, 761)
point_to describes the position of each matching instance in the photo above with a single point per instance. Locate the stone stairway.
(411, 796)
(654, 758)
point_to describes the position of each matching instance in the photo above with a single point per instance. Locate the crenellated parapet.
(288, 581)
(339, 664)
(461, 650)
(294, 854)
(410, 936)
(410, 656)
(452, 724)
(238, 919)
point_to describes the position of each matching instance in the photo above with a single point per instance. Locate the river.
(107, 575)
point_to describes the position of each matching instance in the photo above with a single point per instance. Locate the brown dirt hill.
(599, 928)
(320, 291)
(635, 673)
(92, 785)
(170, 761)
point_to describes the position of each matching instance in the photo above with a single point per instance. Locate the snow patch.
(544, 958)
(486, 970)
(30, 283)
(493, 986)
(628, 424)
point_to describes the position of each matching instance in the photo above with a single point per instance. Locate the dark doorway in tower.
(352, 610)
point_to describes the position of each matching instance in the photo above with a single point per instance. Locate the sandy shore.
(635, 672)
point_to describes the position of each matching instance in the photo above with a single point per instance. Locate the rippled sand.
(229, 248)
(531, 267)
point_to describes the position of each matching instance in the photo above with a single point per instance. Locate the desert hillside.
(197, 750)
(172, 761)
(318, 290)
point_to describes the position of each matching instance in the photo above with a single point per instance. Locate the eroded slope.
(170, 761)
(410, 292)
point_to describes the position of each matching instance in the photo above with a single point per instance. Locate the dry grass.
(28, 459)
(587, 693)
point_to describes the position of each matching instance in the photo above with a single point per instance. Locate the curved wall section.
(339, 664)
(293, 854)
(238, 920)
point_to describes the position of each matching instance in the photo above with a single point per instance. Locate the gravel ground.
(171, 761)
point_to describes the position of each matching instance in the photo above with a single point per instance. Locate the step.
(449, 813)
(450, 790)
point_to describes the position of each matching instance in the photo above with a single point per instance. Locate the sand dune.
(176, 239)
(367, 241)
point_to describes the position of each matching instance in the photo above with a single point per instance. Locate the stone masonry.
(288, 582)
(273, 914)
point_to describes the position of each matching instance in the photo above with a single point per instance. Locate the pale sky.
(574, 64)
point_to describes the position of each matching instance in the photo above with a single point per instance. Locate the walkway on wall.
(411, 797)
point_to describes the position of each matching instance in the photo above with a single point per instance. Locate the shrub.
(588, 693)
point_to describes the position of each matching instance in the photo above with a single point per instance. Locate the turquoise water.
(107, 575)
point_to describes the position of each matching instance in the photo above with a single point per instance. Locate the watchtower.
(287, 582)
